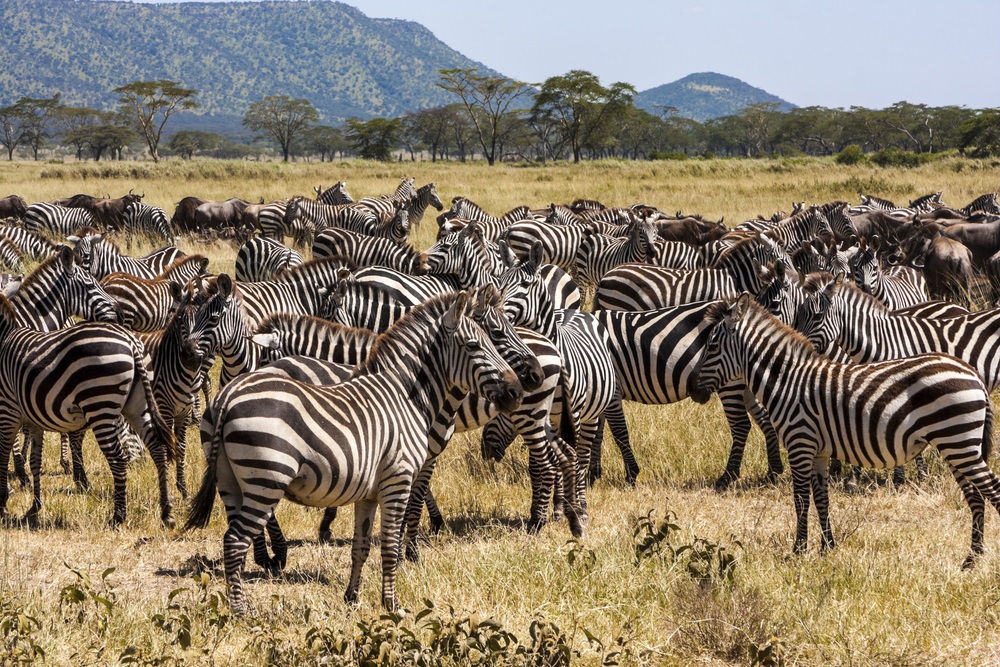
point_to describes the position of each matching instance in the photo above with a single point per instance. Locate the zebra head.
(85, 296)
(526, 302)
(864, 264)
(428, 194)
(720, 361)
(819, 317)
(471, 360)
(450, 255)
(489, 314)
(205, 319)
(775, 294)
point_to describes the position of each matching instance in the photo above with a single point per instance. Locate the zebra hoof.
(116, 520)
(437, 523)
(534, 526)
(351, 597)
(725, 481)
(631, 476)
(412, 553)
(82, 485)
(970, 561)
(168, 521)
(326, 537)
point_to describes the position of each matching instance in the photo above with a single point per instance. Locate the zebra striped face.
(489, 315)
(818, 318)
(478, 366)
(87, 297)
(719, 362)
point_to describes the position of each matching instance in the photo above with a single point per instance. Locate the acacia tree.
(36, 116)
(376, 138)
(487, 100)
(282, 118)
(73, 124)
(325, 140)
(581, 107)
(149, 104)
(12, 129)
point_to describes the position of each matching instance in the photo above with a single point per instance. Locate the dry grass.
(891, 593)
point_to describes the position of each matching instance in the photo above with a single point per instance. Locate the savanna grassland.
(890, 593)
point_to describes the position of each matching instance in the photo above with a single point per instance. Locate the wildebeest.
(109, 213)
(13, 206)
(196, 215)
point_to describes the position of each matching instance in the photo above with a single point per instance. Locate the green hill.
(706, 95)
(344, 62)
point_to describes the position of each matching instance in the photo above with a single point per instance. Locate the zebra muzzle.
(506, 393)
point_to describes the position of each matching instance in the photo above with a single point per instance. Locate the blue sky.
(827, 52)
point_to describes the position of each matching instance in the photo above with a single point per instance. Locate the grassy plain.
(891, 593)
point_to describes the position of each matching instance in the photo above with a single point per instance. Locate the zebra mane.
(132, 278)
(421, 324)
(183, 261)
(747, 248)
(42, 270)
(7, 315)
(758, 315)
(325, 266)
(852, 294)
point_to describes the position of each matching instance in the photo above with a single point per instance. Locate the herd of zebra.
(344, 377)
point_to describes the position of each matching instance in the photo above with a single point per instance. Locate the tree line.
(495, 118)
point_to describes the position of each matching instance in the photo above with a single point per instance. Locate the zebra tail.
(567, 424)
(988, 430)
(161, 431)
(203, 501)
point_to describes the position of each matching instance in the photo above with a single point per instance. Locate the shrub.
(667, 155)
(895, 157)
(708, 155)
(850, 155)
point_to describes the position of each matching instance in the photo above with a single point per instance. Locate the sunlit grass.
(891, 593)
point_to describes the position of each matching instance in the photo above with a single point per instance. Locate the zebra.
(654, 352)
(271, 222)
(336, 194)
(183, 269)
(560, 243)
(983, 204)
(415, 204)
(644, 287)
(366, 250)
(365, 305)
(583, 344)
(926, 202)
(145, 219)
(793, 232)
(681, 255)
(56, 221)
(262, 258)
(304, 216)
(896, 409)
(101, 256)
(877, 203)
(374, 436)
(83, 377)
(465, 210)
(29, 244)
(895, 291)
(598, 253)
(838, 312)
(143, 305)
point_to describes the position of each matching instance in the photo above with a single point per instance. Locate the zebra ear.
(506, 254)
(176, 292)
(225, 284)
(455, 313)
(741, 307)
(876, 243)
(67, 257)
(271, 341)
(535, 255)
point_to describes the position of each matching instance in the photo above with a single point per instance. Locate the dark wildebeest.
(13, 206)
(691, 230)
(198, 215)
(109, 213)
(947, 264)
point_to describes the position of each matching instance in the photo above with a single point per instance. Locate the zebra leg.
(433, 512)
(35, 462)
(801, 487)
(820, 491)
(8, 436)
(771, 443)
(619, 431)
(364, 516)
(106, 434)
(496, 438)
(584, 442)
(922, 472)
(392, 507)
(278, 544)
(76, 454)
(235, 544)
(978, 484)
(20, 468)
(594, 470)
(64, 453)
(739, 406)
(180, 432)
(415, 506)
(325, 534)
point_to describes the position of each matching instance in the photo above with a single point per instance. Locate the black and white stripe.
(896, 409)
(56, 221)
(262, 258)
(374, 436)
(140, 218)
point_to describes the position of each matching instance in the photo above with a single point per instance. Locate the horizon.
(898, 59)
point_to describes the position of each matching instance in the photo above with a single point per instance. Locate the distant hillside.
(344, 62)
(707, 95)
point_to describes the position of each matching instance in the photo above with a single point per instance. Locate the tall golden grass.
(890, 593)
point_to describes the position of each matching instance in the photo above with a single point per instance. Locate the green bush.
(850, 155)
(667, 155)
(895, 157)
(708, 155)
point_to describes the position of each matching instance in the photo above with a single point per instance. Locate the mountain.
(232, 53)
(707, 95)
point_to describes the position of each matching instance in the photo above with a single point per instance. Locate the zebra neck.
(770, 351)
(40, 309)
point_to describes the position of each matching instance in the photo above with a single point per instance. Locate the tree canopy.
(282, 118)
(149, 104)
